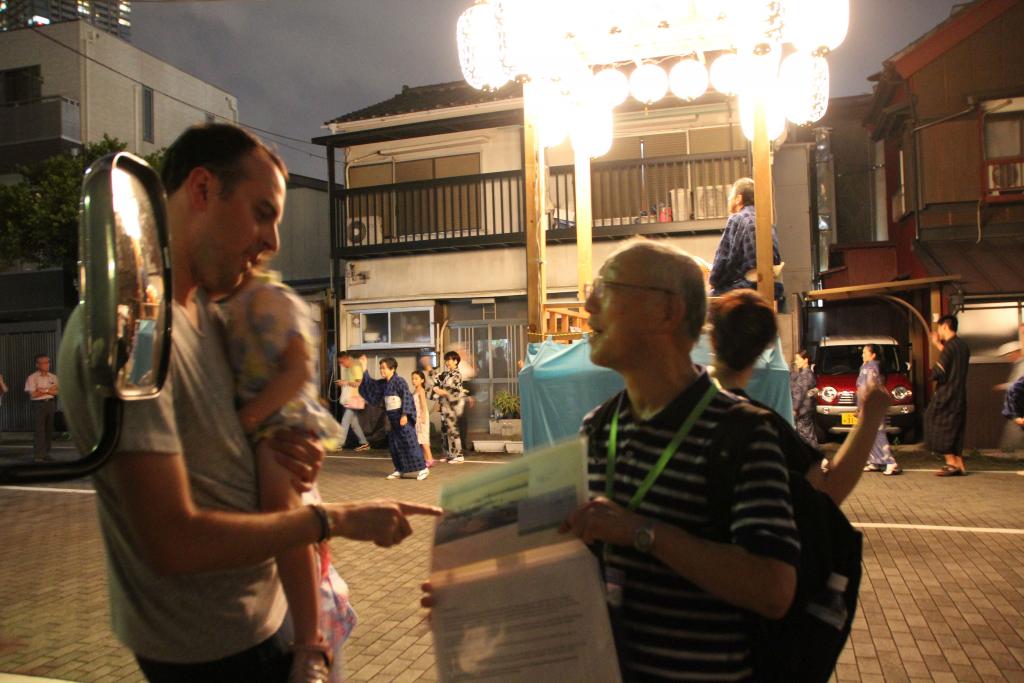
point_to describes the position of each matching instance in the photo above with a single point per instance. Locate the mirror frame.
(97, 232)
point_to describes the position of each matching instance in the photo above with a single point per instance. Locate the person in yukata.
(880, 459)
(393, 394)
(801, 387)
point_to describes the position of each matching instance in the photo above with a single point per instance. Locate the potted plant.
(505, 407)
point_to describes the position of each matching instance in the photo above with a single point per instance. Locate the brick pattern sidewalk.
(935, 605)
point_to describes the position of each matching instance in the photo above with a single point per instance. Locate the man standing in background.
(41, 387)
(946, 416)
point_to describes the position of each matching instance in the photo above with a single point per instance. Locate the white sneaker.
(892, 468)
(423, 474)
(394, 475)
(456, 460)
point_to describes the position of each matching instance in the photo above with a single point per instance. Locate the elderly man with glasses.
(676, 597)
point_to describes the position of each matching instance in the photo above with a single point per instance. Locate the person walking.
(419, 396)
(391, 392)
(353, 404)
(881, 458)
(451, 394)
(41, 387)
(946, 416)
(802, 383)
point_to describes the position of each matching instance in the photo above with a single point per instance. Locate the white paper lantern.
(688, 79)
(648, 83)
(774, 117)
(591, 130)
(611, 86)
(817, 25)
(726, 76)
(477, 38)
(804, 85)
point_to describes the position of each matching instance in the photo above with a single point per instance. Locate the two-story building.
(428, 232)
(947, 118)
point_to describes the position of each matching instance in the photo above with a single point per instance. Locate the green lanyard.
(666, 455)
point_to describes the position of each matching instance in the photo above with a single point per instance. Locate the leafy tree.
(39, 215)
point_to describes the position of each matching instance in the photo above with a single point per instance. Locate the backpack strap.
(730, 438)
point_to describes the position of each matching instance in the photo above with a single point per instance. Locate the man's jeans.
(351, 419)
(268, 662)
(44, 411)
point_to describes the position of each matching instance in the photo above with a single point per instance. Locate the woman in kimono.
(880, 459)
(801, 388)
(393, 394)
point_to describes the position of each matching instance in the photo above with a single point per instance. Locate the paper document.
(516, 600)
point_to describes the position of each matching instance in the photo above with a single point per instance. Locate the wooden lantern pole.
(536, 219)
(763, 201)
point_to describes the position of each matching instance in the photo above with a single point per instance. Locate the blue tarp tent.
(559, 385)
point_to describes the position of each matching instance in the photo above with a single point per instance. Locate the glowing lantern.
(688, 79)
(649, 83)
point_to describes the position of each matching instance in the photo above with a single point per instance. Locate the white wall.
(305, 236)
(110, 102)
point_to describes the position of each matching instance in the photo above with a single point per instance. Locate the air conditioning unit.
(711, 201)
(364, 231)
(1005, 176)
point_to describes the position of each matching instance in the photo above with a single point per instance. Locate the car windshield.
(838, 360)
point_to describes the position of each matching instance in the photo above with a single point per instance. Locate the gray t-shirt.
(210, 615)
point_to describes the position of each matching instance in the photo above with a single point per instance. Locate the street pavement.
(942, 597)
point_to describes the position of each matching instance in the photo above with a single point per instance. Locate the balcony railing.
(661, 190)
(677, 193)
(432, 214)
(49, 118)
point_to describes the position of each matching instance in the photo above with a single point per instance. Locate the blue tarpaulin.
(559, 385)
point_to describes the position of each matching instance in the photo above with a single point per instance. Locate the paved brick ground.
(936, 605)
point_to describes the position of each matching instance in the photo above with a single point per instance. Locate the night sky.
(294, 64)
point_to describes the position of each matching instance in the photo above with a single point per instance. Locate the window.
(1003, 132)
(147, 115)
(20, 85)
(396, 328)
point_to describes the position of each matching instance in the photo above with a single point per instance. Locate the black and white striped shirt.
(669, 629)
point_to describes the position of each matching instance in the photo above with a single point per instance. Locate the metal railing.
(489, 209)
(657, 190)
(481, 208)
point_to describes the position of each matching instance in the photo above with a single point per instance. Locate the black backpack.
(806, 643)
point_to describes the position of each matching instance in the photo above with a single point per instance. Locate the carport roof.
(879, 288)
(992, 266)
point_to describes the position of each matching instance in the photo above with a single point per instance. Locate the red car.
(836, 365)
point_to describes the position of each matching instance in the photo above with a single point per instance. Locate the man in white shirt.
(41, 387)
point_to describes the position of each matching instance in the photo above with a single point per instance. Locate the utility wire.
(169, 96)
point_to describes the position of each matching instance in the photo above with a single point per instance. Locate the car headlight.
(902, 393)
(828, 394)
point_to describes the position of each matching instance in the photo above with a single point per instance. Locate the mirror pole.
(50, 471)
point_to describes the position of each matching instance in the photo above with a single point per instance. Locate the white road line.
(370, 457)
(47, 489)
(931, 527)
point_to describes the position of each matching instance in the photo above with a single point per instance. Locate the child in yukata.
(419, 397)
(880, 459)
(393, 393)
(269, 333)
(450, 396)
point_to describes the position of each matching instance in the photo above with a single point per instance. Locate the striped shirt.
(668, 628)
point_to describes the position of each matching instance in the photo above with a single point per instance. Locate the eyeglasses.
(597, 288)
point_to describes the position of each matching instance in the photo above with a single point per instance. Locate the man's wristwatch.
(643, 538)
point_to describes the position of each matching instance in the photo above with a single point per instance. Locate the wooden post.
(536, 219)
(763, 204)
(584, 225)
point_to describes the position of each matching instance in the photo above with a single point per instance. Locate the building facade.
(947, 120)
(428, 235)
(70, 83)
(112, 16)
